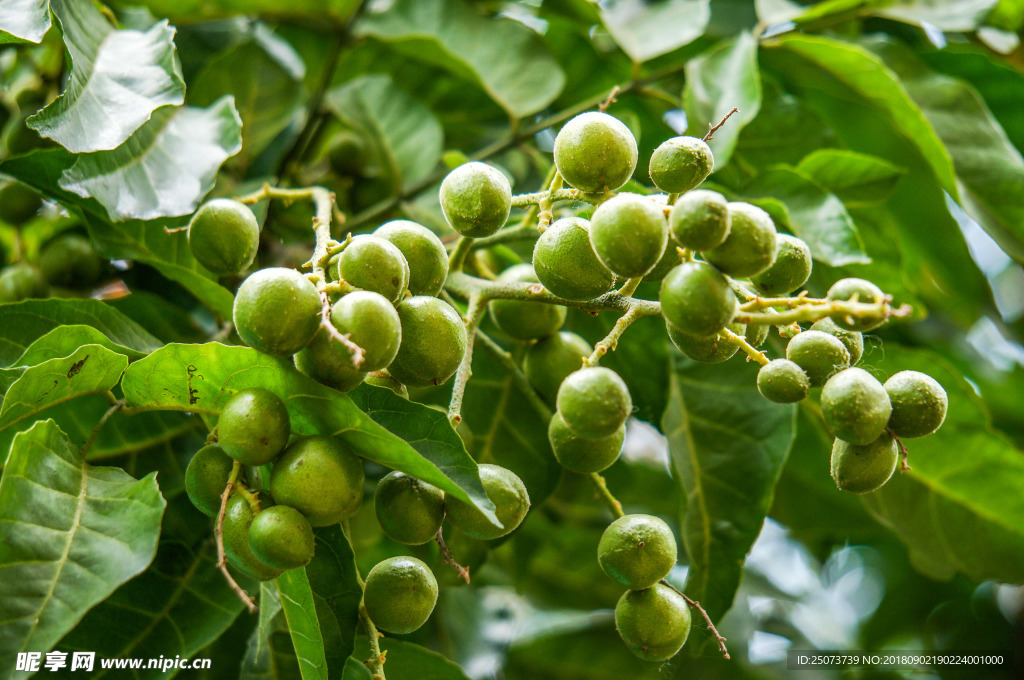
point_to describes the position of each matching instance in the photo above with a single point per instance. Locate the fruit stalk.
(742, 343)
(218, 531)
(477, 307)
(707, 619)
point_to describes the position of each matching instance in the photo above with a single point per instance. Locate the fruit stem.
(477, 307)
(546, 217)
(459, 253)
(707, 619)
(376, 660)
(813, 310)
(714, 128)
(904, 451)
(742, 343)
(446, 557)
(630, 286)
(606, 496)
(611, 341)
(539, 198)
(218, 531)
(524, 231)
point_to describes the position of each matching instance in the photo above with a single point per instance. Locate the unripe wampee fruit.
(595, 151)
(820, 355)
(522, 320)
(918, 404)
(433, 342)
(565, 261)
(637, 550)
(206, 477)
(550, 360)
(863, 468)
(855, 406)
(321, 478)
(708, 349)
(582, 454)
(328, 361)
(866, 293)
(372, 323)
(654, 622)
(511, 503)
(374, 264)
(21, 281)
(282, 538)
(277, 311)
(791, 269)
(749, 249)
(224, 236)
(699, 220)
(697, 299)
(476, 199)
(680, 164)
(852, 340)
(253, 426)
(629, 234)
(69, 261)
(237, 520)
(423, 250)
(783, 382)
(400, 594)
(594, 402)
(409, 510)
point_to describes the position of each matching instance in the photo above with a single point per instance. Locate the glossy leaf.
(24, 20)
(408, 660)
(63, 340)
(645, 30)
(946, 15)
(300, 611)
(854, 178)
(334, 580)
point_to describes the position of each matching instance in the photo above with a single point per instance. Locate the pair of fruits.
(589, 425)
(68, 261)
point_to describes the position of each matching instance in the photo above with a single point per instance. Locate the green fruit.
(862, 468)
(69, 261)
(550, 360)
(371, 322)
(400, 594)
(328, 361)
(565, 261)
(525, 320)
(21, 281)
(476, 199)
(594, 402)
(595, 152)
(423, 250)
(433, 342)
(918, 404)
(700, 220)
(18, 203)
(511, 503)
(865, 292)
(820, 355)
(654, 622)
(237, 520)
(783, 382)
(637, 550)
(791, 269)
(410, 511)
(282, 538)
(708, 349)
(253, 426)
(855, 406)
(852, 340)
(582, 454)
(756, 334)
(697, 299)
(374, 264)
(680, 164)
(749, 249)
(277, 311)
(321, 478)
(629, 234)
(224, 236)
(206, 477)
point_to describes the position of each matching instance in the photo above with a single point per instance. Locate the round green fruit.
(862, 468)
(277, 311)
(918, 404)
(594, 402)
(550, 360)
(328, 361)
(206, 477)
(21, 281)
(321, 478)
(820, 355)
(253, 426)
(476, 199)
(654, 622)
(237, 520)
(680, 164)
(374, 264)
(400, 594)
(582, 454)
(749, 249)
(69, 261)
(595, 152)
(433, 342)
(783, 382)
(371, 322)
(224, 236)
(699, 220)
(565, 261)
(855, 406)
(852, 340)
(409, 511)
(697, 299)
(629, 234)
(791, 269)
(511, 503)
(281, 538)
(523, 320)
(423, 250)
(865, 292)
(18, 203)
(707, 349)
(637, 550)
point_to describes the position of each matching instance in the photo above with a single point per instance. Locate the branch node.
(714, 128)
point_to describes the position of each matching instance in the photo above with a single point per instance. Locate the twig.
(219, 532)
(707, 619)
(904, 451)
(357, 352)
(175, 230)
(457, 258)
(611, 341)
(377, 658)
(630, 286)
(714, 128)
(114, 408)
(815, 311)
(446, 557)
(477, 307)
(610, 100)
(606, 496)
(742, 343)
(539, 197)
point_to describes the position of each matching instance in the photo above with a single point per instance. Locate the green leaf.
(117, 80)
(728, 445)
(946, 15)
(300, 611)
(64, 340)
(645, 30)
(408, 660)
(717, 81)
(200, 378)
(855, 178)
(334, 581)
(330, 13)
(504, 57)
(272, 657)
(72, 534)
(24, 20)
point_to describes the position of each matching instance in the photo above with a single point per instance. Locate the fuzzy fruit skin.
(253, 426)
(565, 261)
(319, 477)
(277, 311)
(237, 520)
(282, 538)
(400, 594)
(581, 454)
(433, 342)
(224, 236)
(855, 406)
(820, 355)
(409, 511)
(783, 382)
(709, 349)
(371, 322)
(680, 164)
(654, 622)
(863, 468)
(69, 261)
(866, 292)
(206, 478)
(550, 360)
(511, 503)
(374, 264)
(637, 550)
(791, 269)
(699, 220)
(853, 340)
(594, 402)
(696, 299)
(919, 404)
(522, 320)
(327, 361)
(629, 234)
(595, 151)
(18, 203)
(22, 281)
(423, 250)
(476, 199)
(749, 249)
